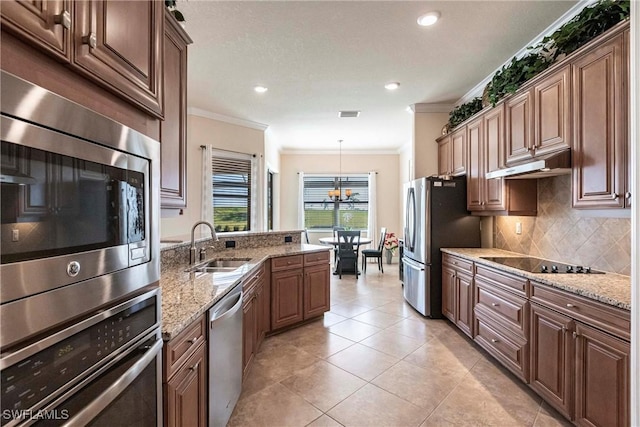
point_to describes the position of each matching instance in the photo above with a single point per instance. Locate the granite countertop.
(188, 295)
(610, 288)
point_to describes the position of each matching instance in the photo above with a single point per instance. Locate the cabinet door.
(249, 328)
(286, 298)
(475, 169)
(186, 394)
(262, 306)
(494, 189)
(464, 303)
(316, 290)
(519, 128)
(552, 357)
(118, 44)
(458, 153)
(552, 99)
(444, 156)
(602, 378)
(448, 293)
(173, 130)
(45, 24)
(600, 127)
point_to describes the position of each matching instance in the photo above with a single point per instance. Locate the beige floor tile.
(398, 307)
(549, 417)
(349, 309)
(274, 406)
(372, 300)
(332, 318)
(436, 355)
(378, 318)
(323, 385)
(363, 361)
(325, 421)
(322, 344)
(414, 328)
(372, 406)
(392, 343)
(282, 361)
(425, 388)
(353, 330)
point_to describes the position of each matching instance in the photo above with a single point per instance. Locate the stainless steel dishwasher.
(225, 356)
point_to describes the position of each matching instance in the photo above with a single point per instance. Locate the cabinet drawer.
(254, 279)
(608, 318)
(317, 258)
(458, 263)
(511, 351)
(179, 349)
(512, 310)
(286, 262)
(505, 281)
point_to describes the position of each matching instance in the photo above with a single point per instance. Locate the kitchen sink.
(220, 265)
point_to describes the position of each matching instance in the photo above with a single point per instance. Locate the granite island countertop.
(188, 295)
(609, 288)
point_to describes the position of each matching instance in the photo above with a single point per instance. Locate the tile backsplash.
(564, 234)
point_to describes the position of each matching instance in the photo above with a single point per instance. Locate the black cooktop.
(539, 265)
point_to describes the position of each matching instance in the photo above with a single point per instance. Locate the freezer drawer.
(415, 279)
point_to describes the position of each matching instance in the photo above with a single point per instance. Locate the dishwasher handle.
(227, 307)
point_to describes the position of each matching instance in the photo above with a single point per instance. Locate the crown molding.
(431, 108)
(226, 119)
(567, 16)
(296, 152)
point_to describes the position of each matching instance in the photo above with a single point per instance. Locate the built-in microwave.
(79, 210)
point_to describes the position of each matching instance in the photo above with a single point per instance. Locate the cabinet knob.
(194, 367)
(91, 40)
(616, 196)
(63, 19)
(570, 305)
(493, 340)
(455, 262)
(575, 334)
(495, 304)
(192, 341)
(627, 195)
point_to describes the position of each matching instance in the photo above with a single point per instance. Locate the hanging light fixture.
(336, 194)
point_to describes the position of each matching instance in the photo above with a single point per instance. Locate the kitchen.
(180, 209)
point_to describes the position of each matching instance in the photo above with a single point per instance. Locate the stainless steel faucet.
(192, 249)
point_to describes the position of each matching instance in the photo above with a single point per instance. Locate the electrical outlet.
(288, 239)
(230, 244)
(518, 228)
(15, 235)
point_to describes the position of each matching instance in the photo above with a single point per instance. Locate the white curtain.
(372, 225)
(301, 200)
(256, 195)
(206, 197)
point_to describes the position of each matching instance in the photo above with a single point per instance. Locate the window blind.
(231, 193)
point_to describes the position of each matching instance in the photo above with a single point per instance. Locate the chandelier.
(336, 194)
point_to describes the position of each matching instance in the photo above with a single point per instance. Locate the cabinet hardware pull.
(627, 195)
(495, 304)
(575, 334)
(63, 19)
(616, 196)
(570, 305)
(564, 329)
(91, 40)
(194, 367)
(493, 340)
(193, 341)
(455, 263)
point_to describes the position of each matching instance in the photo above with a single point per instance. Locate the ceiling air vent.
(348, 113)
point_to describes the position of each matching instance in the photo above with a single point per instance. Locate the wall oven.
(80, 322)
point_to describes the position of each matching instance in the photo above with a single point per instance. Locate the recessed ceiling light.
(261, 89)
(428, 19)
(348, 113)
(392, 86)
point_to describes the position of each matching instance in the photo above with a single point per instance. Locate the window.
(231, 178)
(321, 212)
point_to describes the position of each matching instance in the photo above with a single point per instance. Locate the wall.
(223, 136)
(427, 128)
(565, 234)
(389, 196)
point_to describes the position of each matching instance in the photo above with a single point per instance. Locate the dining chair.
(347, 250)
(375, 253)
(305, 233)
(335, 236)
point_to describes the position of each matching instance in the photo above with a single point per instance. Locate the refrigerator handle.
(410, 228)
(413, 264)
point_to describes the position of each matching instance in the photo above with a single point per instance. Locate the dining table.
(333, 240)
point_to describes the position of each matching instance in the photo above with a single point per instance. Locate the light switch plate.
(518, 228)
(15, 235)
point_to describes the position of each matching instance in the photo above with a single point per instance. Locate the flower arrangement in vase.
(390, 246)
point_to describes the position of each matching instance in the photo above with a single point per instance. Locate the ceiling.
(319, 57)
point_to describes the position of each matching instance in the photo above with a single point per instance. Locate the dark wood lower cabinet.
(552, 360)
(186, 393)
(316, 291)
(448, 292)
(464, 303)
(249, 328)
(286, 298)
(602, 378)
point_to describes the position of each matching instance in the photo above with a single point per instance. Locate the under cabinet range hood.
(539, 167)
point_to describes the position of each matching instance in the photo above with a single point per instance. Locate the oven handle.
(111, 393)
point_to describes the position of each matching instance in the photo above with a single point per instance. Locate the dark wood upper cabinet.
(552, 112)
(173, 130)
(445, 165)
(45, 24)
(600, 97)
(519, 127)
(458, 152)
(476, 153)
(118, 44)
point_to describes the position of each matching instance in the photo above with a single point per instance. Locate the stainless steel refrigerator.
(436, 217)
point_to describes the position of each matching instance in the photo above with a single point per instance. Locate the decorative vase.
(389, 256)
